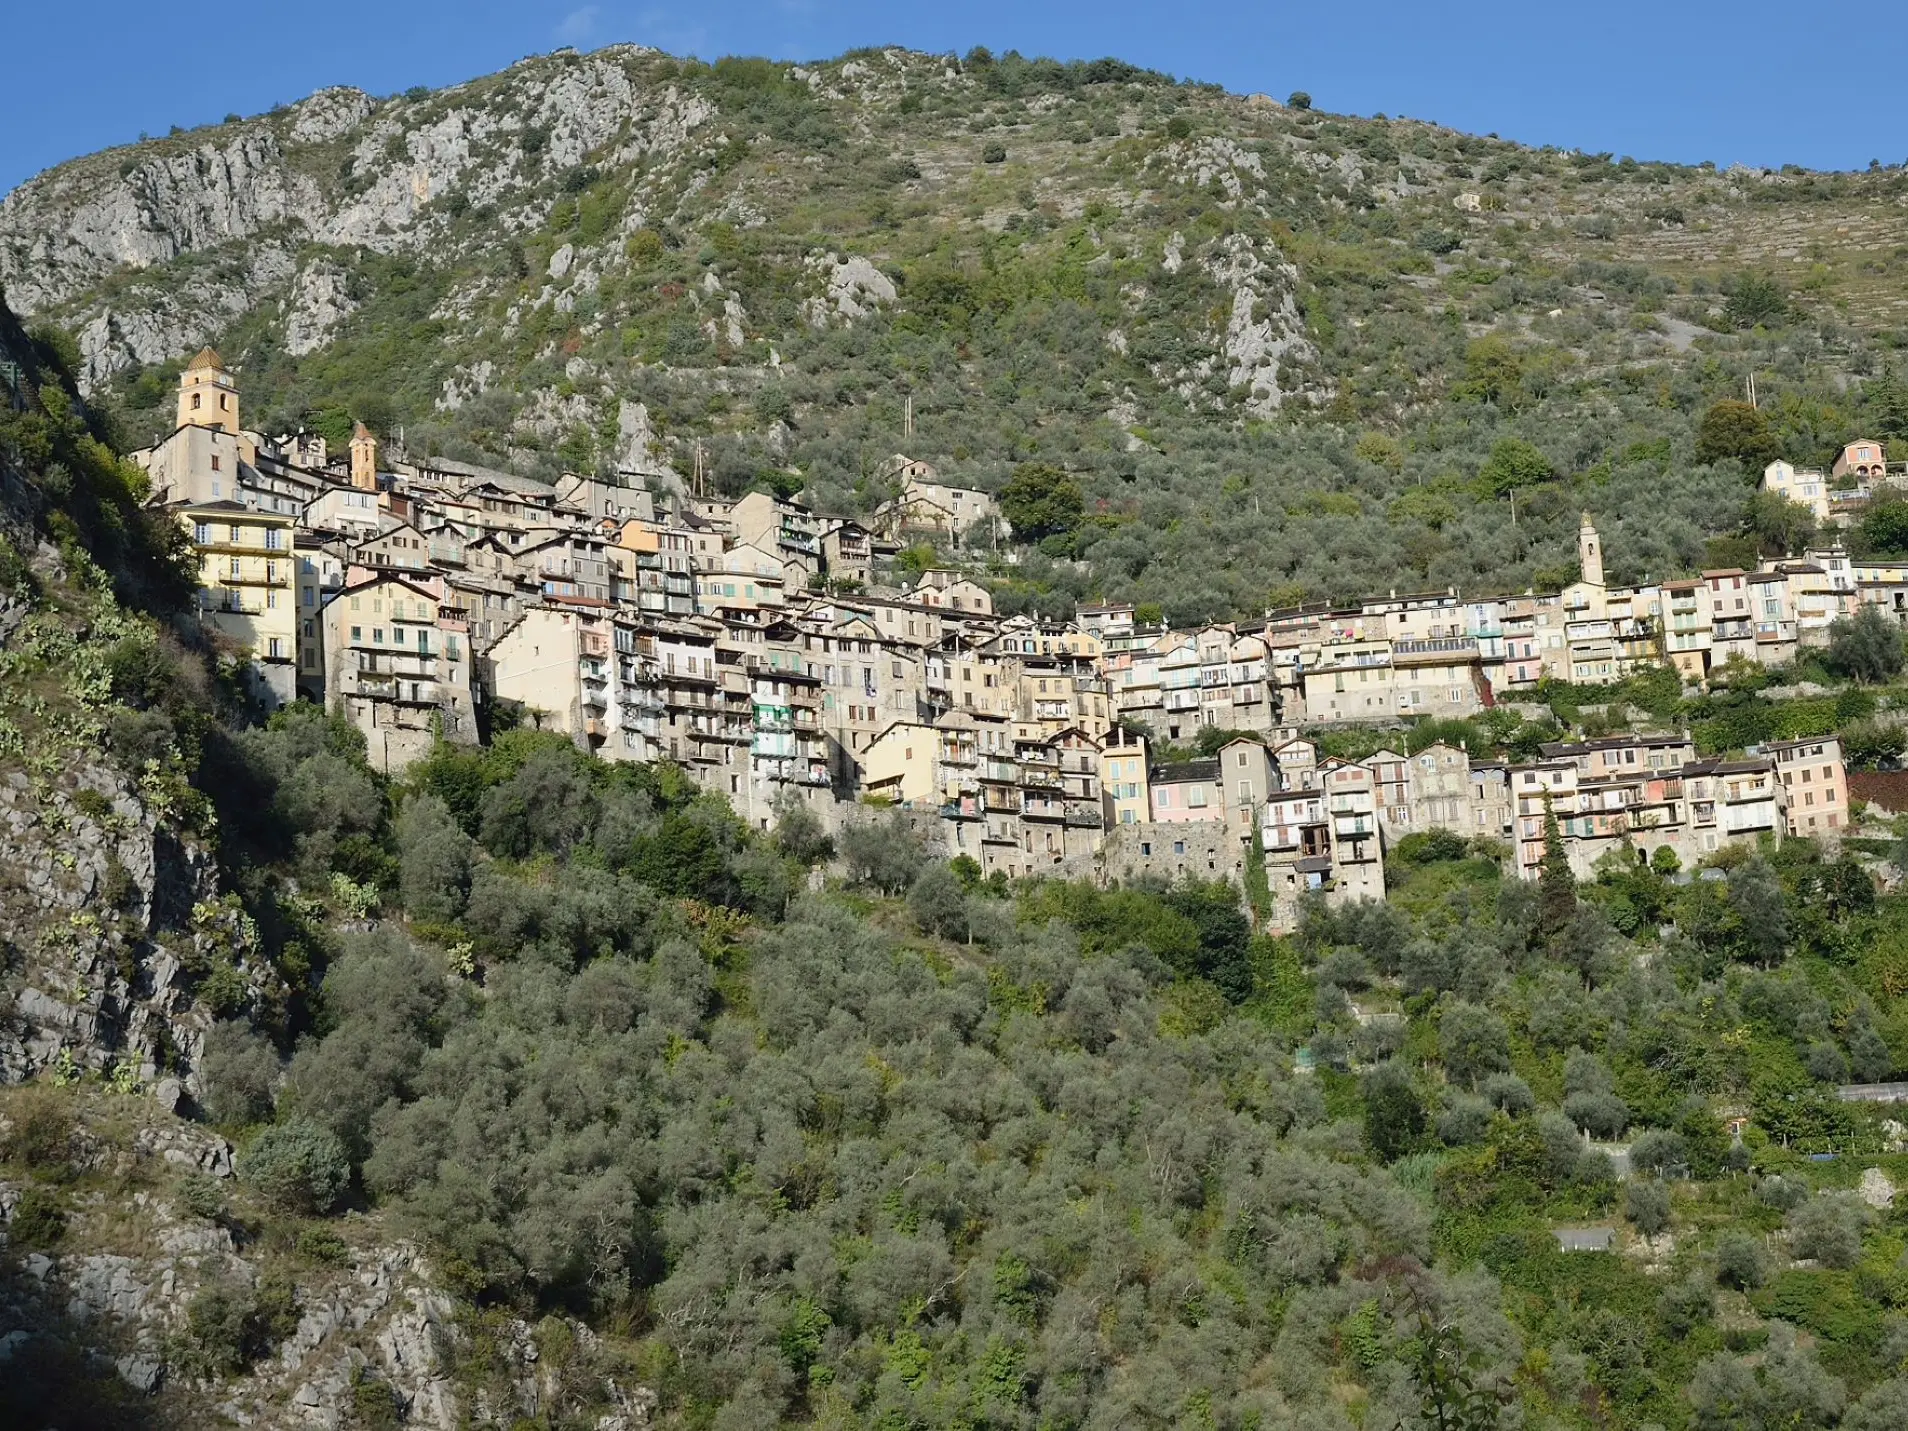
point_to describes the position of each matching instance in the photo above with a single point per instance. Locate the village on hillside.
(758, 645)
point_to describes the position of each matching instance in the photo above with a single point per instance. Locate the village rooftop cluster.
(758, 644)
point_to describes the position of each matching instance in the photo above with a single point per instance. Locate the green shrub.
(1826, 1303)
(1647, 1205)
(92, 804)
(225, 1328)
(321, 1244)
(42, 1135)
(39, 1219)
(298, 1167)
(374, 1405)
(1741, 1262)
(1828, 1228)
(202, 1196)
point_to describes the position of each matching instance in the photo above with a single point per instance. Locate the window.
(377, 635)
(274, 540)
(357, 633)
(195, 402)
(202, 534)
(275, 649)
(238, 535)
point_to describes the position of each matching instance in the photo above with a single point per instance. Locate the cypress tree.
(1556, 886)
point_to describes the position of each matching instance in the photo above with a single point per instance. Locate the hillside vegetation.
(1288, 354)
(690, 1123)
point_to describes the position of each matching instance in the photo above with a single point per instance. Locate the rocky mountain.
(1198, 302)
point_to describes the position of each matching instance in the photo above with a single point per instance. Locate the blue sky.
(1751, 81)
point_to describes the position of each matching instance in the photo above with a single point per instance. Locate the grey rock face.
(61, 232)
(338, 169)
(320, 301)
(108, 907)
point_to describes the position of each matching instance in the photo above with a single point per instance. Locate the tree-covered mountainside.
(538, 1091)
(1286, 353)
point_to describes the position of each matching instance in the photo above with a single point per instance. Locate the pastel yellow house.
(1126, 791)
(247, 587)
(903, 763)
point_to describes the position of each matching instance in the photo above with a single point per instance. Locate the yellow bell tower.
(1590, 552)
(364, 458)
(208, 397)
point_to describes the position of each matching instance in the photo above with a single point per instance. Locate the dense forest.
(915, 1150)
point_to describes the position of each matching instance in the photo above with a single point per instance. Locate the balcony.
(227, 605)
(390, 689)
(412, 665)
(1459, 647)
(701, 675)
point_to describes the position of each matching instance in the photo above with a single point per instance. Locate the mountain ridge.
(1196, 300)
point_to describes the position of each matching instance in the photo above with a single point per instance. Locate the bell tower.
(364, 458)
(1590, 552)
(208, 397)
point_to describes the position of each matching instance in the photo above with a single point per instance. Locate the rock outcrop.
(355, 1315)
(109, 912)
(338, 170)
